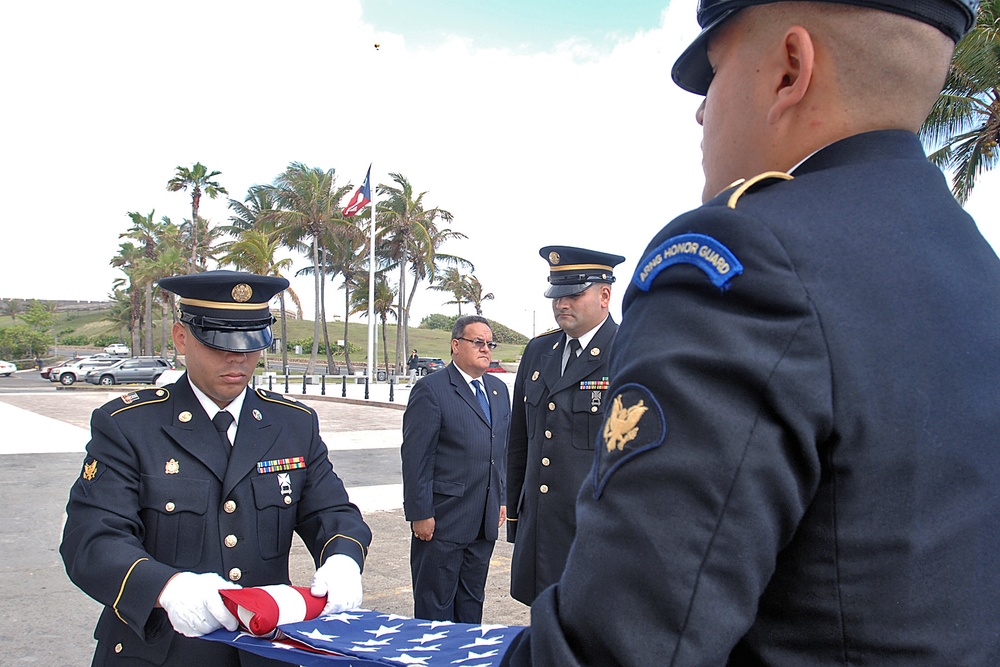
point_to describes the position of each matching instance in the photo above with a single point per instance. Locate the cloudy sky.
(534, 122)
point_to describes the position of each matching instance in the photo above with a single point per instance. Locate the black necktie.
(483, 401)
(222, 421)
(574, 348)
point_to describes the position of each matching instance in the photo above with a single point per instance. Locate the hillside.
(90, 329)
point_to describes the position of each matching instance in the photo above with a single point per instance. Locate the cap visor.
(556, 291)
(233, 341)
(692, 71)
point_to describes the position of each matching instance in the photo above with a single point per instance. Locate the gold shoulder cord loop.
(750, 182)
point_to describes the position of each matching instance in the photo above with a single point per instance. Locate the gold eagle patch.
(621, 425)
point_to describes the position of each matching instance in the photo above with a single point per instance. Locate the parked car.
(6, 368)
(428, 365)
(47, 370)
(77, 370)
(118, 349)
(137, 370)
(495, 367)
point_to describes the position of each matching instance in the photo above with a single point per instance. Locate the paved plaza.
(50, 622)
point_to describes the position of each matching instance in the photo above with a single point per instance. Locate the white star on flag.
(342, 617)
(394, 617)
(429, 638)
(487, 641)
(433, 625)
(475, 656)
(485, 629)
(410, 660)
(316, 634)
(385, 630)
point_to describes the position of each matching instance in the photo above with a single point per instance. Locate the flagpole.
(371, 284)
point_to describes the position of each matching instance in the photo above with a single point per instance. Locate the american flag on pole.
(375, 639)
(361, 198)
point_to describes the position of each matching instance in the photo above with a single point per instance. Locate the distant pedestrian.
(38, 363)
(411, 364)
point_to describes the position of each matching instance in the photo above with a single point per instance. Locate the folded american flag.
(363, 638)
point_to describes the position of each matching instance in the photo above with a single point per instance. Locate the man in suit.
(199, 485)
(799, 464)
(557, 415)
(453, 452)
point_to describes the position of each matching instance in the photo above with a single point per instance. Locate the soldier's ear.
(795, 62)
(179, 334)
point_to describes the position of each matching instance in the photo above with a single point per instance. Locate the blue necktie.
(483, 402)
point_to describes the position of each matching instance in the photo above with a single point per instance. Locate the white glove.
(193, 603)
(339, 579)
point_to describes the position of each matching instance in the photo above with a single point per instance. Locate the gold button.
(288, 500)
(235, 574)
(545, 461)
(548, 434)
(118, 648)
(231, 541)
(170, 506)
(552, 406)
(593, 409)
(229, 507)
(544, 488)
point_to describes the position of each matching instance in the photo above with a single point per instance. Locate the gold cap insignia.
(553, 258)
(242, 293)
(622, 426)
(184, 417)
(89, 470)
(257, 415)
(172, 467)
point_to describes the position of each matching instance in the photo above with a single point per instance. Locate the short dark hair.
(458, 331)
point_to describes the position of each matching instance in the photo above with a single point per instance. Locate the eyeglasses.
(479, 343)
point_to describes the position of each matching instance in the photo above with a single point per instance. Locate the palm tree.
(13, 307)
(474, 294)
(199, 180)
(383, 306)
(347, 256)
(145, 230)
(254, 251)
(407, 232)
(452, 281)
(128, 260)
(256, 212)
(965, 120)
(310, 204)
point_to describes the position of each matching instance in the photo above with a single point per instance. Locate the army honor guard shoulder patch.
(634, 424)
(704, 252)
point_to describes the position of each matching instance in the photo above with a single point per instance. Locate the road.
(49, 621)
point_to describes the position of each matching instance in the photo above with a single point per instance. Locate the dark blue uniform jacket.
(158, 495)
(801, 459)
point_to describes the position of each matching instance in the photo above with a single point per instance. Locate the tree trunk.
(326, 331)
(401, 315)
(347, 309)
(284, 340)
(149, 347)
(317, 311)
(164, 328)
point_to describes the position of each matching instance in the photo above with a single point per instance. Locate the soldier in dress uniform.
(800, 455)
(199, 485)
(558, 410)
